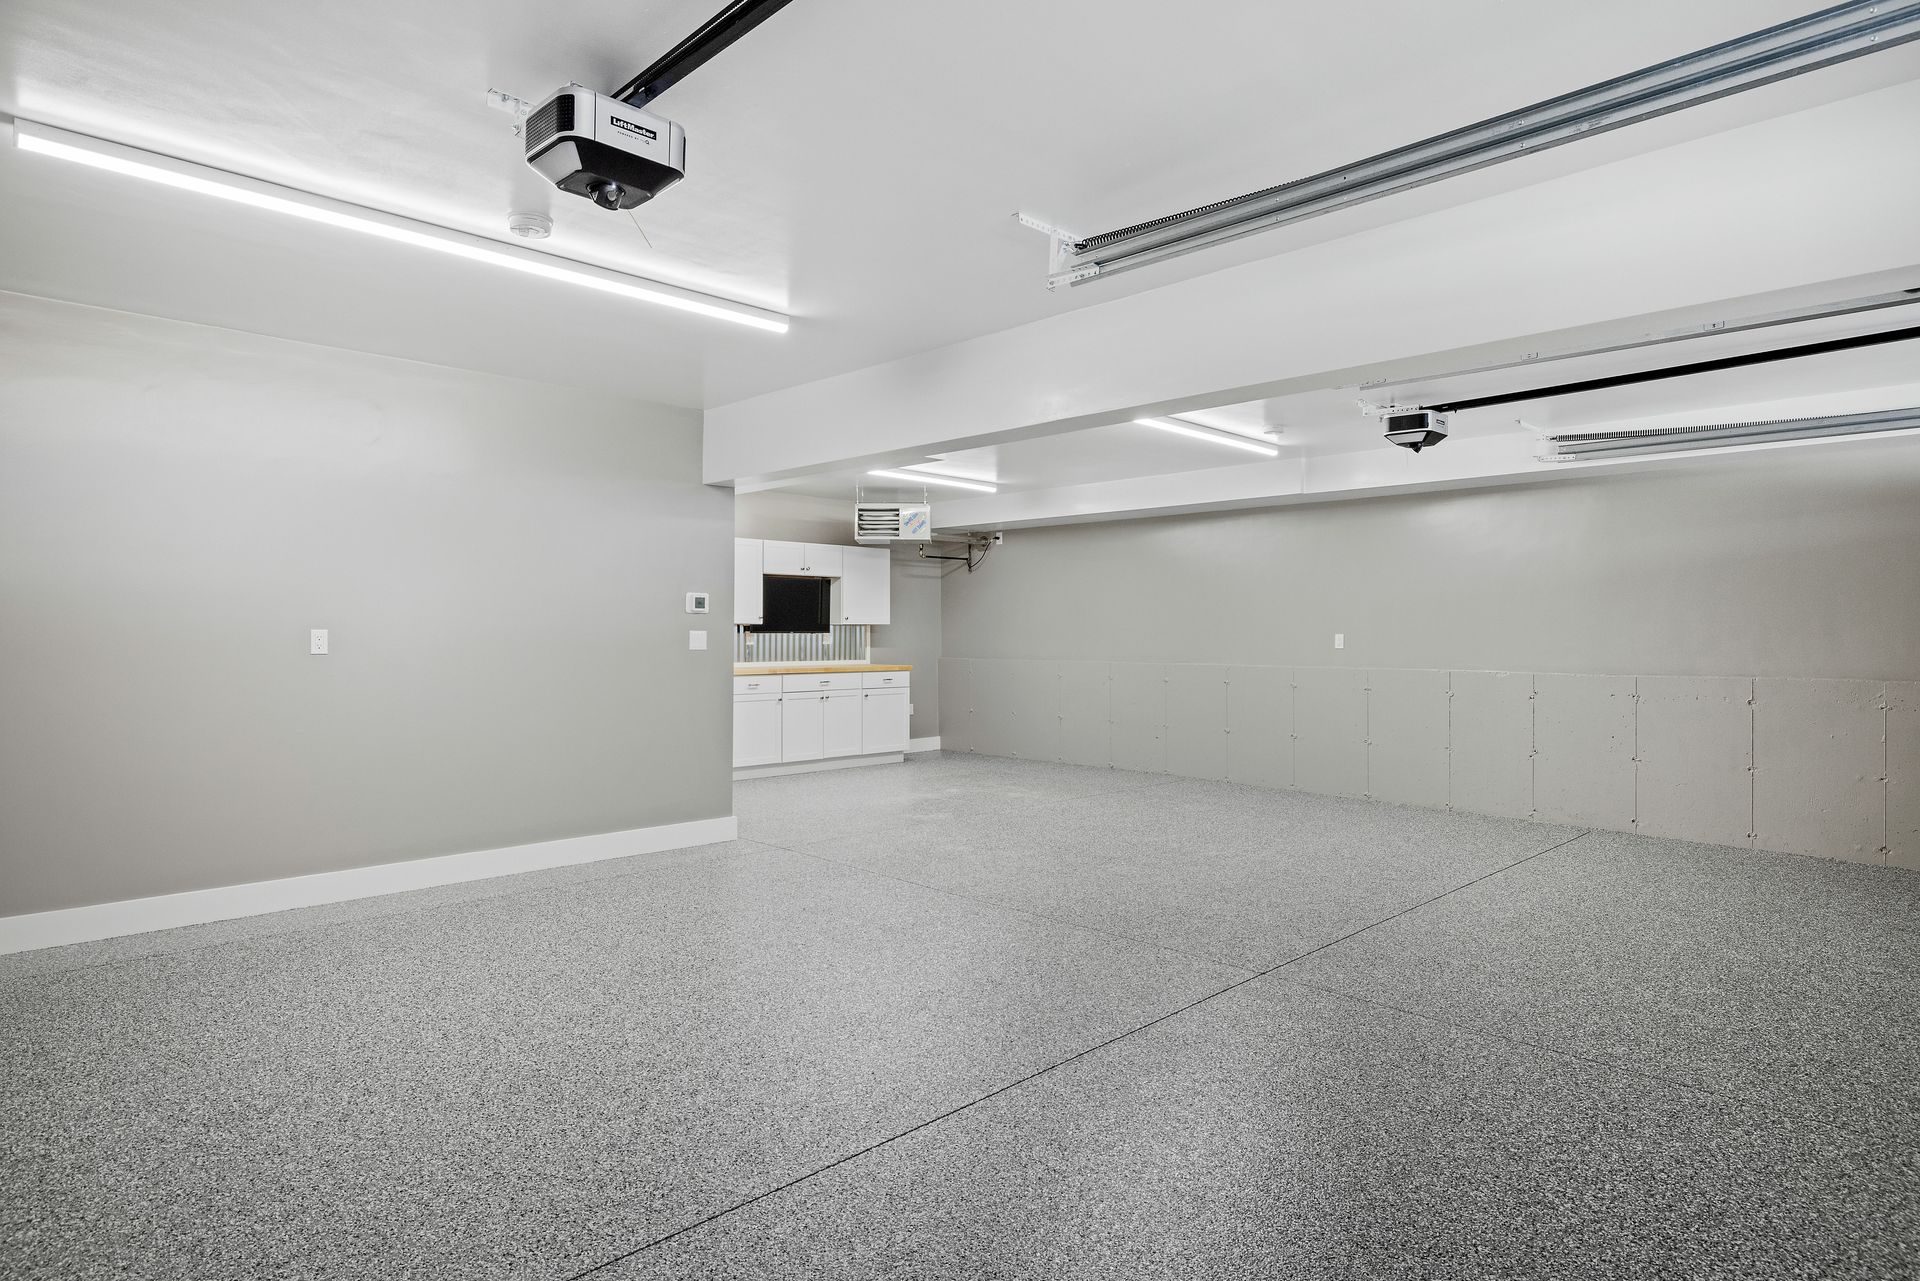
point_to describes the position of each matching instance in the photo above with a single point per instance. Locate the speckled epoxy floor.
(980, 1018)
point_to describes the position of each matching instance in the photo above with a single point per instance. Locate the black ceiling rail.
(1681, 371)
(687, 57)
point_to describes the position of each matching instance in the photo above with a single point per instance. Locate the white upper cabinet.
(862, 587)
(783, 558)
(863, 594)
(748, 597)
(809, 560)
(823, 561)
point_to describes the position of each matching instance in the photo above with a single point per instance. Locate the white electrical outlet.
(317, 641)
(1339, 640)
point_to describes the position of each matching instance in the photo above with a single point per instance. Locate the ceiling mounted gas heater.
(1588, 446)
(1834, 35)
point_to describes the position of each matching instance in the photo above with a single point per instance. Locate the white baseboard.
(923, 744)
(814, 767)
(197, 907)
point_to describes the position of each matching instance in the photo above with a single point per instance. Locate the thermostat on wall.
(696, 602)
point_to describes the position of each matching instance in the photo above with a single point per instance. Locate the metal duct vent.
(1838, 34)
(1575, 446)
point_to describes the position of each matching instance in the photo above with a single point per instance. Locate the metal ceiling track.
(1742, 361)
(1575, 447)
(1822, 39)
(681, 61)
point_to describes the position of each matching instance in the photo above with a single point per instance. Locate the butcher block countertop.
(809, 669)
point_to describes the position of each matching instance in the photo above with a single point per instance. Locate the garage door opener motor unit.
(606, 147)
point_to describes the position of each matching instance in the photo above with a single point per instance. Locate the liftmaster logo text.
(631, 127)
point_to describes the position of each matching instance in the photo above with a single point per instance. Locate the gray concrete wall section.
(1903, 774)
(1694, 749)
(1723, 649)
(1837, 763)
(1408, 735)
(1583, 733)
(503, 581)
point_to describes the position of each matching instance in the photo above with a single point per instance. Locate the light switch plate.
(696, 640)
(1339, 640)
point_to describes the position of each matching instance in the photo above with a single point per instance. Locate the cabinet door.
(863, 593)
(843, 724)
(756, 730)
(748, 604)
(823, 560)
(883, 720)
(783, 558)
(803, 723)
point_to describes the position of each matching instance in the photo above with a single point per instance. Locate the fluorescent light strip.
(1821, 39)
(1662, 440)
(184, 176)
(928, 478)
(1214, 435)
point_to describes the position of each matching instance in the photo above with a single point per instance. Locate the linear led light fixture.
(1821, 39)
(184, 176)
(1211, 434)
(1663, 440)
(928, 478)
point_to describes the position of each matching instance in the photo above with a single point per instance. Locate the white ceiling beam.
(1788, 203)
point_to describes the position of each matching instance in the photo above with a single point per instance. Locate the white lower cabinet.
(818, 716)
(841, 733)
(756, 729)
(803, 727)
(883, 720)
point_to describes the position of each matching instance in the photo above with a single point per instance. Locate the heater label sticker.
(631, 127)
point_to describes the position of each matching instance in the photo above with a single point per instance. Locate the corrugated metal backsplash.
(844, 644)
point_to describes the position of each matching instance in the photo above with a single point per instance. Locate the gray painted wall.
(913, 636)
(1723, 652)
(503, 583)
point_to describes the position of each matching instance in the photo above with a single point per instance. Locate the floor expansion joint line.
(911, 1130)
(1387, 920)
(1034, 1076)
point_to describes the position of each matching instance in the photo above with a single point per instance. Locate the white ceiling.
(853, 162)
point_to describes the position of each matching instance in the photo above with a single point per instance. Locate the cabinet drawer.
(819, 682)
(885, 680)
(756, 685)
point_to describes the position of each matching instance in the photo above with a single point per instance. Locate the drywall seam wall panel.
(1031, 704)
(1819, 767)
(1330, 730)
(1138, 694)
(956, 704)
(1903, 774)
(1407, 736)
(1260, 726)
(1693, 777)
(992, 733)
(1197, 720)
(1491, 764)
(1085, 713)
(1583, 748)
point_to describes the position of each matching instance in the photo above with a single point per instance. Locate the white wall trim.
(197, 907)
(923, 744)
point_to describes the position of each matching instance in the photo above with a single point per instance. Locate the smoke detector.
(530, 226)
